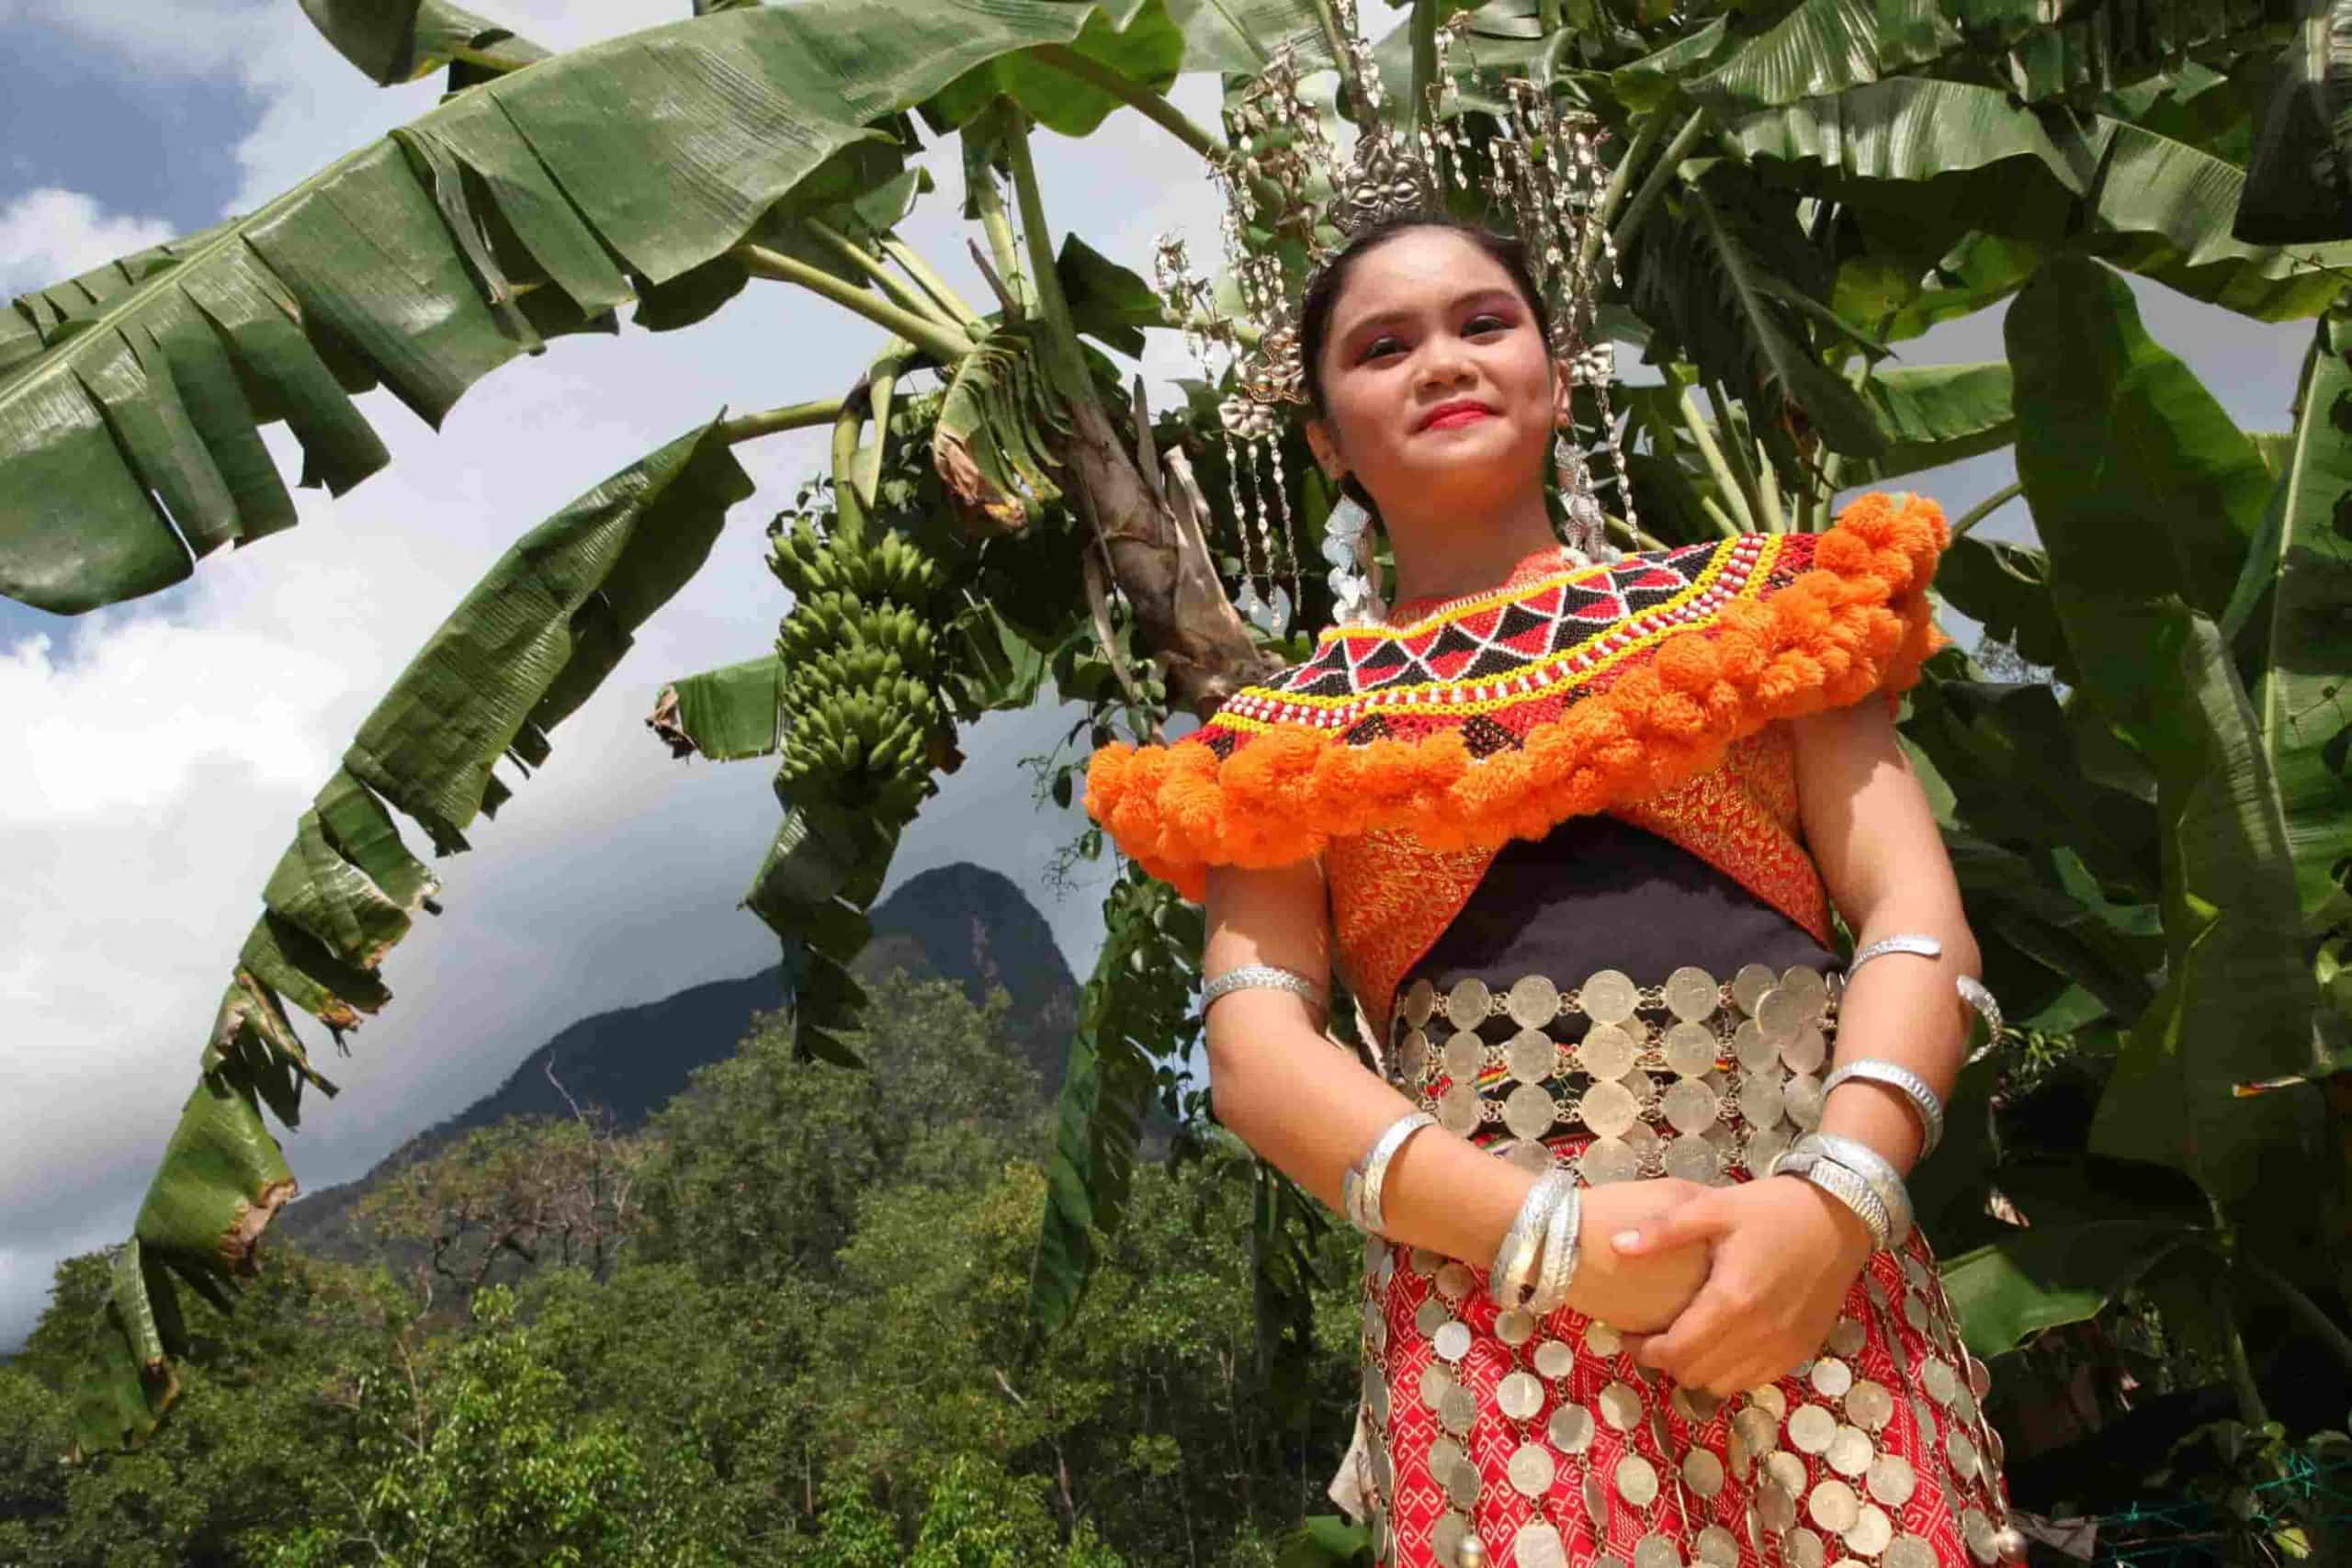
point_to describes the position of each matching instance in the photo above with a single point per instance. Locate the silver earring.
(1587, 529)
(1347, 550)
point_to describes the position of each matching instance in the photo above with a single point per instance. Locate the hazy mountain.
(959, 923)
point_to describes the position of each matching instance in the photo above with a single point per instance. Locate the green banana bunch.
(862, 666)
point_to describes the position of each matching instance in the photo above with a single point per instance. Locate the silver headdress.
(1292, 201)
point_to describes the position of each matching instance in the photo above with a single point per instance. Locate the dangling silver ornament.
(1586, 532)
(1347, 550)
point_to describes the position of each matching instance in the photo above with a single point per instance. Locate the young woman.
(1571, 831)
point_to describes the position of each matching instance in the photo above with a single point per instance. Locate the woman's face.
(1437, 389)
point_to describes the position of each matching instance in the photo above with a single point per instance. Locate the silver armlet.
(1902, 941)
(1914, 1090)
(1971, 990)
(1363, 1185)
(1262, 977)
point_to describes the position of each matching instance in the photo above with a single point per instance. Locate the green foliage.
(936, 1102)
(488, 1459)
(853, 1381)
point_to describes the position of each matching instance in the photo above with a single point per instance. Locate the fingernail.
(1626, 1241)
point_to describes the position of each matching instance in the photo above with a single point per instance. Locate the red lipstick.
(1461, 410)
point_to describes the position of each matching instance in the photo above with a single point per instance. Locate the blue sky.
(91, 118)
(168, 746)
(77, 118)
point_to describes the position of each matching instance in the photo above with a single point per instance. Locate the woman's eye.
(1484, 322)
(1379, 348)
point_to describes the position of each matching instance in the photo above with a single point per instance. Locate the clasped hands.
(1723, 1289)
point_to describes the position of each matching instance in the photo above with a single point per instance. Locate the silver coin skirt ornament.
(1494, 1437)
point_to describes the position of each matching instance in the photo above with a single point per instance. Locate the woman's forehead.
(1420, 269)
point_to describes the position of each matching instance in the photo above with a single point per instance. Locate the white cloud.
(48, 234)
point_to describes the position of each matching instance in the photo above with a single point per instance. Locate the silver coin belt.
(1715, 1082)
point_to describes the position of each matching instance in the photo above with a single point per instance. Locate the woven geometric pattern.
(1497, 664)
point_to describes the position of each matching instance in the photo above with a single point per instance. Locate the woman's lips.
(1447, 419)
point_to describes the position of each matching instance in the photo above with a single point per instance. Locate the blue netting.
(2197, 1531)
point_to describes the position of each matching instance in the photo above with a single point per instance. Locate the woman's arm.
(1786, 1252)
(1312, 1110)
(1881, 857)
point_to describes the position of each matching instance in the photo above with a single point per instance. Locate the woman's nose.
(1443, 362)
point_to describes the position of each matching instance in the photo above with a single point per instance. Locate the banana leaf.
(519, 653)
(1241, 37)
(2287, 619)
(409, 38)
(2006, 1292)
(2009, 753)
(1733, 284)
(1908, 127)
(1918, 159)
(2164, 208)
(1107, 300)
(2005, 588)
(2140, 490)
(725, 714)
(426, 260)
(2165, 493)
(1648, 83)
(2108, 46)
(1107, 1080)
(1141, 43)
(1826, 46)
(2017, 907)
(1934, 414)
(992, 440)
(2299, 182)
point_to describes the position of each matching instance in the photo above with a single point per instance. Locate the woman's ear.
(1327, 451)
(1564, 388)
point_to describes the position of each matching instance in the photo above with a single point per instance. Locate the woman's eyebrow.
(1460, 301)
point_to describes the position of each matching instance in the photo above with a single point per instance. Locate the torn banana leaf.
(524, 649)
(128, 445)
(725, 714)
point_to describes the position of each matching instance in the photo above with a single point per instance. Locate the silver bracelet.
(1914, 1090)
(1262, 977)
(1365, 1179)
(1914, 942)
(1879, 1171)
(1507, 1279)
(1808, 1165)
(1562, 1237)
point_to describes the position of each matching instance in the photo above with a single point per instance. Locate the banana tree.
(1794, 190)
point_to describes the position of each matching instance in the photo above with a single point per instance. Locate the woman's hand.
(1785, 1252)
(1638, 1293)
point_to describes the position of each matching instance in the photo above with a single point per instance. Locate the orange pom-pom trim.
(1823, 622)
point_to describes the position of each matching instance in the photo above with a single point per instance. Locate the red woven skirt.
(1543, 1439)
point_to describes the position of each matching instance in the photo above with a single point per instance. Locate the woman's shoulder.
(1498, 716)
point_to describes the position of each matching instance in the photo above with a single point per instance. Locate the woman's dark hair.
(1323, 290)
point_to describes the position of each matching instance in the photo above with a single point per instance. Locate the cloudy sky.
(168, 746)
